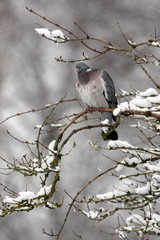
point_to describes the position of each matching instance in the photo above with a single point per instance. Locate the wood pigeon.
(96, 89)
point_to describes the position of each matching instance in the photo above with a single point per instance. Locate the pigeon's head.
(81, 67)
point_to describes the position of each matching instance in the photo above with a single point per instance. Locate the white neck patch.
(88, 70)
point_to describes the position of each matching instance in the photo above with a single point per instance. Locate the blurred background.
(30, 78)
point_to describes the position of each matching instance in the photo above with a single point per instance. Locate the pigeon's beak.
(75, 70)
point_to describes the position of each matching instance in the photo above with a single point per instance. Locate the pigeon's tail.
(113, 135)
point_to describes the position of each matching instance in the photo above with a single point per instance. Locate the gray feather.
(109, 90)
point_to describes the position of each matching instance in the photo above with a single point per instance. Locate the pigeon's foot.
(89, 110)
(101, 109)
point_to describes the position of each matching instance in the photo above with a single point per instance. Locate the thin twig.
(78, 193)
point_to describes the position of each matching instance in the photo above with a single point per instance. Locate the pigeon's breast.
(92, 92)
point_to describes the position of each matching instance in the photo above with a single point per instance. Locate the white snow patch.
(91, 214)
(56, 35)
(105, 129)
(28, 195)
(106, 121)
(120, 144)
(156, 63)
(35, 162)
(152, 168)
(39, 170)
(119, 167)
(46, 162)
(108, 195)
(148, 93)
(124, 93)
(143, 190)
(151, 223)
(133, 160)
(44, 190)
(48, 105)
(144, 103)
(121, 177)
(39, 126)
(50, 205)
(51, 147)
(132, 43)
(123, 107)
(127, 161)
(43, 31)
(155, 99)
(57, 169)
(156, 44)
(56, 125)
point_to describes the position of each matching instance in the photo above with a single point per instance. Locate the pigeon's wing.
(109, 89)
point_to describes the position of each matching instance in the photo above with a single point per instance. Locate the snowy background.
(31, 78)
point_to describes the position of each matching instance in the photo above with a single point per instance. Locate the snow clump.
(55, 35)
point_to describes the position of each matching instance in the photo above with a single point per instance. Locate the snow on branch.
(55, 35)
(144, 103)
